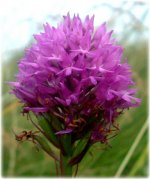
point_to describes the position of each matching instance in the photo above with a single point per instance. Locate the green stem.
(65, 167)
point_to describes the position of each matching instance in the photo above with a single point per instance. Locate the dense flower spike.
(77, 75)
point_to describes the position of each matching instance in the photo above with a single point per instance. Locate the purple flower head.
(77, 75)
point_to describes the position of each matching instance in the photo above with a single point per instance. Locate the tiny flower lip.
(31, 64)
(93, 79)
(100, 69)
(62, 132)
(36, 109)
(54, 58)
(83, 51)
(14, 84)
(68, 70)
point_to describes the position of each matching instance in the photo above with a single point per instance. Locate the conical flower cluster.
(76, 75)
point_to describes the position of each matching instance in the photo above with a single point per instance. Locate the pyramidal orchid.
(76, 83)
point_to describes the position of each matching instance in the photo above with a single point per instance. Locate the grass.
(123, 159)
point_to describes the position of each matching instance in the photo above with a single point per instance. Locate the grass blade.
(131, 150)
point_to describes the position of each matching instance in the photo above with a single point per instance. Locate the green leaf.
(81, 145)
(44, 145)
(56, 123)
(48, 131)
(66, 144)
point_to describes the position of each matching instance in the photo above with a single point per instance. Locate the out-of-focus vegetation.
(128, 155)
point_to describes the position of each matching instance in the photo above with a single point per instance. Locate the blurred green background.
(129, 153)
